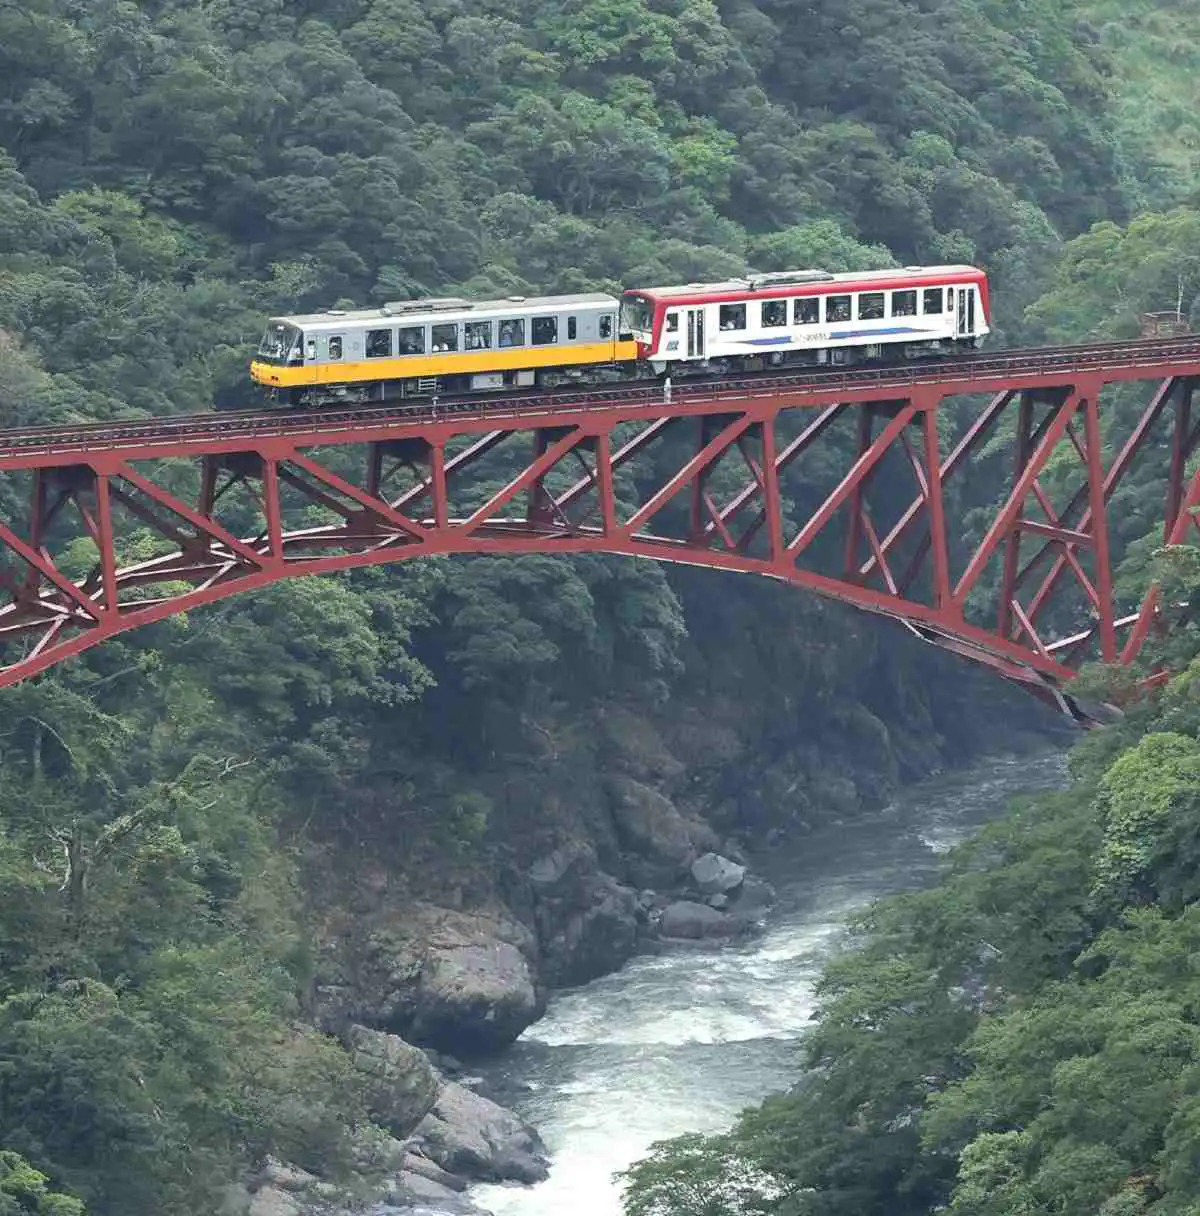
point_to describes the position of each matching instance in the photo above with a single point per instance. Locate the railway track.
(963, 374)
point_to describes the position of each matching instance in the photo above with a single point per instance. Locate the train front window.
(636, 315)
(280, 342)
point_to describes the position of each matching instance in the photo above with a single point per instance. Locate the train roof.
(450, 308)
(812, 279)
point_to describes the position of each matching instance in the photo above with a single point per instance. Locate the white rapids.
(681, 1042)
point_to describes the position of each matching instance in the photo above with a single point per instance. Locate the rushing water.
(682, 1041)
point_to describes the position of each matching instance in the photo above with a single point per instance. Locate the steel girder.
(106, 528)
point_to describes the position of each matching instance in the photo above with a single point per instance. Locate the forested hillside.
(214, 832)
(1022, 1038)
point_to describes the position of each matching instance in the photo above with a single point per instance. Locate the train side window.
(412, 340)
(512, 332)
(870, 306)
(733, 316)
(445, 337)
(572, 329)
(904, 303)
(310, 348)
(672, 322)
(379, 343)
(606, 326)
(544, 331)
(478, 335)
(335, 347)
(931, 301)
(837, 308)
(774, 313)
(807, 311)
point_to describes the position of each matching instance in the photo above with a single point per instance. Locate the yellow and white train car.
(423, 347)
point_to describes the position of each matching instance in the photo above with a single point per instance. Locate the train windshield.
(637, 315)
(281, 342)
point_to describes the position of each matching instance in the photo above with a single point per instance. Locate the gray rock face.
(475, 997)
(754, 897)
(470, 1135)
(587, 921)
(717, 875)
(401, 1083)
(692, 921)
(650, 824)
(459, 982)
(271, 1201)
(430, 1170)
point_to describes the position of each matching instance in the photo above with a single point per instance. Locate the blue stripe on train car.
(886, 331)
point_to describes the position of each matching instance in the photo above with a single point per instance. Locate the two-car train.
(421, 348)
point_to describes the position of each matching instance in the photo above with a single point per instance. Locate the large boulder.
(658, 840)
(273, 1201)
(466, 1133)
(402, 1085)
(692, 922)
(587, 922)
(650, 824)
(459, 982)
(474, 997)
(717, 875)
(754, 897)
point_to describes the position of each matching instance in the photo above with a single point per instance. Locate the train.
(801, 318)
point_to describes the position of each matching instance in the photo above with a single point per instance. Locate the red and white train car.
(808, 317)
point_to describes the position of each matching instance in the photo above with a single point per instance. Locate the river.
(682, 1041)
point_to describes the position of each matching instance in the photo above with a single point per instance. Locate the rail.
(967, 371)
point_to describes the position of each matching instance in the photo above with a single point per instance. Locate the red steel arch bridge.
(846, 482)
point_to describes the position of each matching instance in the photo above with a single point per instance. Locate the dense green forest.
(186, 812)
(1021, 1039)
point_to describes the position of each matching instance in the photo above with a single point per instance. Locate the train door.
(964, 326)
(695, 333)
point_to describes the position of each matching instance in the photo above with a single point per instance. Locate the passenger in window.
(512, 333)
(774, 313)
(807, 312)
(904, 304)
(606, 327)
(838, 308)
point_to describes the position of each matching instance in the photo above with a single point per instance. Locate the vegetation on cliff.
(178, 808)
(1021, 1038)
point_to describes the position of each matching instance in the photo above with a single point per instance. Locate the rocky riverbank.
(628, 836)
(472, 983)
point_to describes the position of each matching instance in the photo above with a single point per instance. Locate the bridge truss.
(847, 483)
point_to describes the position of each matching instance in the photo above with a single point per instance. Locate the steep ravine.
(679, 1038)
(683, 1040)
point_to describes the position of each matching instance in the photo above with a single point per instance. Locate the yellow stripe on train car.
(449, 363)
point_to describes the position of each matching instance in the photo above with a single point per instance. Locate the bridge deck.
(719, 470)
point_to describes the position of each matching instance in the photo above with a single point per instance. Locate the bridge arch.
(721, 469)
